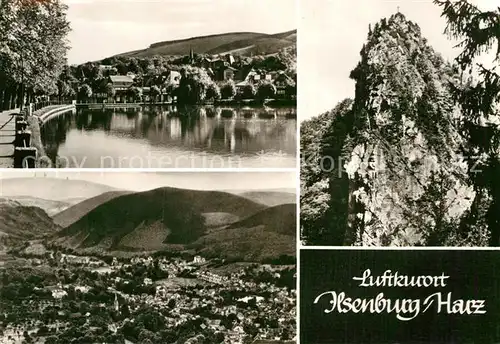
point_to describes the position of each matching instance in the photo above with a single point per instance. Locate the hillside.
(56, 189)
(266, 235)
(238, 43)
(49, 206)
(19, 223)
(178, 213)
(269, 198)
(169, 218)
(74, 213)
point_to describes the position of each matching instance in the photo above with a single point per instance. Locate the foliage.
(266, 90)
(248, 91)
(110, 90)
(320, 168)
(155, 91)
(194, 85)
(228, 90)
(85, 92)
(213, 92)
(33, 45)
(135, 92)
(479, 102)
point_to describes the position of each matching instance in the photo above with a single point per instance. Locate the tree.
(193, 86)
(135, 93)
(171, 303)
(213, 92)
(155, 92)
(228, 90)
(32, 50)
(248, 91)
(266, 90)
(110, 90)
(479, 100)
(63, 89)
(85, 92)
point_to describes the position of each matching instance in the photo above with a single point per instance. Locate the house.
(254, 77)
(199, 260)
(121, 82)
(59, 293)
(108, 70)
(173, 77)
(106, 67)
(206, 63)
(217, 63)
(225, 73)
(229, 59)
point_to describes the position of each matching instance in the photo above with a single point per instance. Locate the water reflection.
(252, 137)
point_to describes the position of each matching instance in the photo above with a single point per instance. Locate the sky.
(141, 181)
(331, 35)
(102, 28)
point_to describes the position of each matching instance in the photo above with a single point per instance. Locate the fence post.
(22, 138)
(21, 124)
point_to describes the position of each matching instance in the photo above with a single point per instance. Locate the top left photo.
(148, 84)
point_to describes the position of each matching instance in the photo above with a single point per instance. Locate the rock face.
(402, 181)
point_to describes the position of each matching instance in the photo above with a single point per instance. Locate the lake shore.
(273, 103)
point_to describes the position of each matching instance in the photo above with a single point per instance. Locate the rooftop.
(121, 78)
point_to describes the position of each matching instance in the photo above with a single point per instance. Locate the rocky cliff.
(403, 180)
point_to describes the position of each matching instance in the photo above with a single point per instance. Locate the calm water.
(154, 137)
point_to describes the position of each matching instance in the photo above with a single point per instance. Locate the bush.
(135, 92)
(248, 92)
(85, 92)
(228, 90)
(213, 92)
(155, 92)
(266, 90)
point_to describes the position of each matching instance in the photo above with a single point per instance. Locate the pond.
(172, 137)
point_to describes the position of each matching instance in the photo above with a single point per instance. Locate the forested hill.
(238, 43)
(398, 176)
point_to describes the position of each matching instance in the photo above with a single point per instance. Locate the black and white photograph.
(399, 138)
(147, 257)
(148, 84)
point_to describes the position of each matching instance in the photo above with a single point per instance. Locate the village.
(174, 299)
(160, 80)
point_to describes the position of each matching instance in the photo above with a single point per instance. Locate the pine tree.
(479, 101)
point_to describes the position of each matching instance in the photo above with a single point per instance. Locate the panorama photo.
(147, 257)
(400, 136)
(148, 84)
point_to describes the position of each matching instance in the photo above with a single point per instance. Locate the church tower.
(191, 56)
(117, 306)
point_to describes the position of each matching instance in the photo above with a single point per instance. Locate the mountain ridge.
(166, 217)
(215, 44)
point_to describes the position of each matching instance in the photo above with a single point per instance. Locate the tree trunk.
(6, 99)
(14, 94)
(20, 96)
(2, 95)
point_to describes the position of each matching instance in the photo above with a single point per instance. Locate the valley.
(163, 265)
